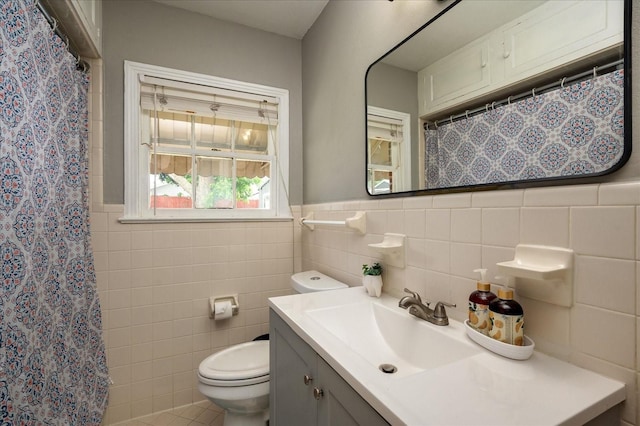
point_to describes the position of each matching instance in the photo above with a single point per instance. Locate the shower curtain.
(577, 129)
(52, 357)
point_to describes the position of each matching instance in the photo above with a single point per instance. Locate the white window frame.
(401, 168)
(137, 181)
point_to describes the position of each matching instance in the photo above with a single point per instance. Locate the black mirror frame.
(549, 181)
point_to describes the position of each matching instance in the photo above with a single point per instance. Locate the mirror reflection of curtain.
(574, 130)
(432, 162)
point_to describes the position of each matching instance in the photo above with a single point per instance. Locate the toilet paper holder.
(233, 298)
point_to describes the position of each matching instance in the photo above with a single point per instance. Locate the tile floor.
(202, 413)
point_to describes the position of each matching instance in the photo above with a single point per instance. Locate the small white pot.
(373, 284)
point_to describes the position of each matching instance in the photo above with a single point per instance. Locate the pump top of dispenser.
(505, 287)
(505, 293)
(483, 284)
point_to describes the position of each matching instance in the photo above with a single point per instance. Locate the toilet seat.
(240, 365)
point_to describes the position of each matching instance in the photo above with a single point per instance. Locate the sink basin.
(385, 335)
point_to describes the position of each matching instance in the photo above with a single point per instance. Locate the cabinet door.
(457, 75)
(559, 32)
(291, 359)
(90, 12)
(340, 404)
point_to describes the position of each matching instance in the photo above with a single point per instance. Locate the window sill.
(137, 220)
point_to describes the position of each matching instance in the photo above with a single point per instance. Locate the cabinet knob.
(307, 379)
(318, 393)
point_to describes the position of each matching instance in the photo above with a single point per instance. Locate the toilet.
(237, 378)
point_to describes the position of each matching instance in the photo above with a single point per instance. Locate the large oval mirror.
(498, 93)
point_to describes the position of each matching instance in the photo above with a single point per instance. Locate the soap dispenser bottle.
(507, 318)
(479, 302)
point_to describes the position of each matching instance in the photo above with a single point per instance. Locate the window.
(199, 147)
(388, 151)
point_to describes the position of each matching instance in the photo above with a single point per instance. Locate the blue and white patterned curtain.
(52, 357)
(574, 130)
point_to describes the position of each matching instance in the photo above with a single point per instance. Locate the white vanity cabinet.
(305, 390)
(549, 37)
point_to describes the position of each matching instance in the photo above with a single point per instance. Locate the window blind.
(386, 128)
(176, 96)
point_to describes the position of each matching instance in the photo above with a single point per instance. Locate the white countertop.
(482, 389)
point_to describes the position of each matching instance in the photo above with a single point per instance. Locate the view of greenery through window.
(220, 190)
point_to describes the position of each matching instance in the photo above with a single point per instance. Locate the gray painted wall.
(152, 33)
(348, 36)
(337, 50)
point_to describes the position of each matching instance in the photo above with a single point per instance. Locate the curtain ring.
(533, 92)
(435, 123)
(466, 114)
(54, 25)
(562, 82)
(451, 119)
(594, 71)
(493, 105)
(509, 101)
(486, 107)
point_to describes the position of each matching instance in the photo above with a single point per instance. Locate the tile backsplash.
(155, 281)
(448, 236)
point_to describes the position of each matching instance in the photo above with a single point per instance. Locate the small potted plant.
(372, 279)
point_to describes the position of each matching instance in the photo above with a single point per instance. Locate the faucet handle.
(439, 311)
(414, 294)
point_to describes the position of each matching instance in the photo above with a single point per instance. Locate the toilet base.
(237, 419)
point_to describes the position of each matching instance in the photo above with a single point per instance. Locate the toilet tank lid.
(309, 281)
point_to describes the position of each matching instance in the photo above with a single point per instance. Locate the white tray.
(504, 349)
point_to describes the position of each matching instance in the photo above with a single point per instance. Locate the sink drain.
(388, 368)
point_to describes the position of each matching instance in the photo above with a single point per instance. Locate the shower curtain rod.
(81, 64)
(533, 92)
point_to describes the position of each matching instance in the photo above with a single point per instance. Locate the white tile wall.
(154, 299)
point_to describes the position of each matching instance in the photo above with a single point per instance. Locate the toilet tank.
(310, 281)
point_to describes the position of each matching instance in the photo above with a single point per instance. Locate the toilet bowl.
(237, 378)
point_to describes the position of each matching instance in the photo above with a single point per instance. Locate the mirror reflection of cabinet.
(558, 33)
(462, 74)
(549, 36)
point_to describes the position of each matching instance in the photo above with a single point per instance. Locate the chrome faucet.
(413, 303)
